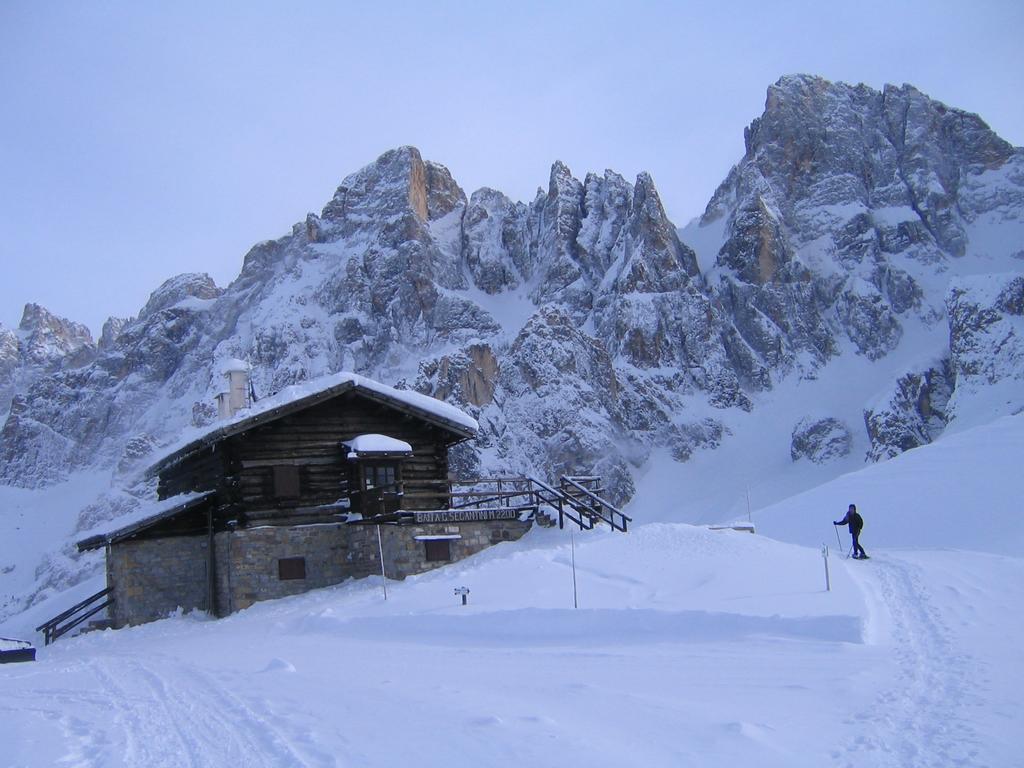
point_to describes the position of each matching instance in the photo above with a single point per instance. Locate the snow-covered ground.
(689, 647)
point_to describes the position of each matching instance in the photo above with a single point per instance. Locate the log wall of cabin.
(311, 440)
(204, 470)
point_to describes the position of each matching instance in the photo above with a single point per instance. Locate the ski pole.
(838, 540)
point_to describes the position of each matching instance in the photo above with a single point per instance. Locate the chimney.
(236, 396)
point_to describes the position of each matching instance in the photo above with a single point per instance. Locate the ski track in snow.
(917, 721)
(179, 718)
(89, 742)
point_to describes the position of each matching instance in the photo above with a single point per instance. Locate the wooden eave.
(374, 455)
(103, 539)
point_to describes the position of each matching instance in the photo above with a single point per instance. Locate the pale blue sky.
(139, 140)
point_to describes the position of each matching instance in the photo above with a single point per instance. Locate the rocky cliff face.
(80, 415)
(43, 343)
(986, 341)
(841, 226)
(912, 414)
(846, 206)
(578, 328)
(492, 304)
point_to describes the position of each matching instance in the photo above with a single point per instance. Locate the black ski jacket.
(854, 520)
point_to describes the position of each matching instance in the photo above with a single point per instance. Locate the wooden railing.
(471, 493)
(564, 505)
(64, 622)
(379, 500)
(578, 499)
(588, 499)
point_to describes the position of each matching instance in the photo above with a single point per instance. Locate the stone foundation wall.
(247, 562)
(154, 577)
(404, 555)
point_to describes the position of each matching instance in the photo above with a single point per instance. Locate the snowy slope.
(689, 647)
(37, 529)
(964, 492)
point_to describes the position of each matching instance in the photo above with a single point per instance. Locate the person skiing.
(856, 523)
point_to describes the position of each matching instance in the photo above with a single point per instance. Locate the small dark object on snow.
(856, 524)
(12, 651)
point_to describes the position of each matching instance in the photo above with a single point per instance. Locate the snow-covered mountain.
(41, 344)
(854, 290)
(845, 227)
(880, 233)
(401, 277)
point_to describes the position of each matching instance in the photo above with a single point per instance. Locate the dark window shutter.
(291, 568)
(286, 481)
(439, 551)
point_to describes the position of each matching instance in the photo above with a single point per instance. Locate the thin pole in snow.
(838, 540)
(748, 505)
(824, 555)
(384, 577)
(572, 555)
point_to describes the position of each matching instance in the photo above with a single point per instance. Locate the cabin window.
(438, 550)
(377, 475)
(286, 481)
(377, 486)
(291, 568)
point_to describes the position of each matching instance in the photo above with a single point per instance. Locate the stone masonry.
(404, 555)
(247, 562)
(154, 577)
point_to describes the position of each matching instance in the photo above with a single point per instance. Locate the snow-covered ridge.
(404, 278)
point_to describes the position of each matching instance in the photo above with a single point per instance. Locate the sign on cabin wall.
(466, 515)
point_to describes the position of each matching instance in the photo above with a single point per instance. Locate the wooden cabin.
(334, 479)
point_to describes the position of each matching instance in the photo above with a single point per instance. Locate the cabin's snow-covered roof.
(310, 392)
(374, 443)
(146, 515)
